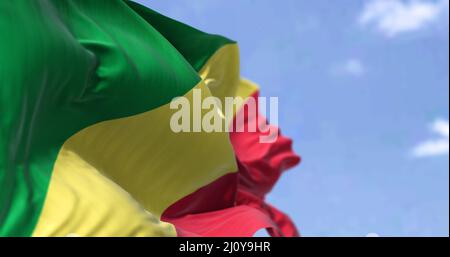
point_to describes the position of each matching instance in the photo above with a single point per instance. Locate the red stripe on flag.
(234, 205)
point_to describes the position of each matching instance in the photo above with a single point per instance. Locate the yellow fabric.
(82, 202)
(246, 88)
(142, 155)
(222, 76)
(222, 72)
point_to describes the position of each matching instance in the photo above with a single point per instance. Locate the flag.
(86, 146)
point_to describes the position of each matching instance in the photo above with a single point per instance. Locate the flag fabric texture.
(86, 147)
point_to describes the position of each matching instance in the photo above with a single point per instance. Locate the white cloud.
(393, 17)
(438, 146)
(353, 67)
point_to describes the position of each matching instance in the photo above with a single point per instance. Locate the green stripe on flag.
(65, 65)
(196, 46)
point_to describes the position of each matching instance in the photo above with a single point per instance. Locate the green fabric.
(196, 46)
(65, 65)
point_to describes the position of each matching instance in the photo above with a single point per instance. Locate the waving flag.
(86, 146)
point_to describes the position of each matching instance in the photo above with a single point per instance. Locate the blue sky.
(364, 93)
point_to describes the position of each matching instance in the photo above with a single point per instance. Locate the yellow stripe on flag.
(83, 202)
(142, 155)
(222, 76)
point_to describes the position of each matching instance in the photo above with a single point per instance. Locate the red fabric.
(284, 227)
(239, 221)
(260, 167)
(220, 194)
(234, 205)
